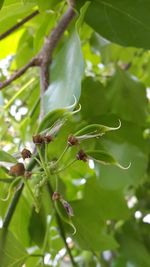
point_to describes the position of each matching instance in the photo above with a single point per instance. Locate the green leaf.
(12, 252)
(124, 22)
(6, 157)
(37, 233)
(12, 11)
(90, 214)
(124, 152)
(131, 242)
(46, 4)
(65, 80)
(93, 99)
(96, 130)
(127, 97)
(20, 221)
(104, 158)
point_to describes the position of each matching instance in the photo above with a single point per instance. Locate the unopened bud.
(82, 155)
(17, 170)
(72, 140)
(26, 153)
(38, 139)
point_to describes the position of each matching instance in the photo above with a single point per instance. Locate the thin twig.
(19, 73)
(18, 25)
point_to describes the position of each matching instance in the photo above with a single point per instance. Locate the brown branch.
(19, 73)
(52, 41)
(44, 57)
(18, 25)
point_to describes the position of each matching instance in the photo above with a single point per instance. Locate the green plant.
(74, 122)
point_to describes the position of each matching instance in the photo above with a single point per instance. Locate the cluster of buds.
(40, 139)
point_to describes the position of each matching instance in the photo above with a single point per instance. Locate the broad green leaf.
(20, 221)
(112, 177)
(65, 80)
(37, 233)
(6, 157)
(13, 254)
(90, 229)
(127, 97)
(105, 158)
(124, 22)
(93, 99)
(131, 242)
(91, 213)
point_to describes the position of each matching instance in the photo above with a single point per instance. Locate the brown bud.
(37, 139)
(47, 139)
(72, 140)
(26, 153)
(67, 207)
(81, 155)
(17, 170)
(56, 196)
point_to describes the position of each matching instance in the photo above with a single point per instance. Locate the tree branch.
(33, 62)
(18, 25)
(44, 57)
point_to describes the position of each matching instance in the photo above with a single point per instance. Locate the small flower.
(17, 169)
(26, 153)
(82, 155)
(72, 140)
(38, 139)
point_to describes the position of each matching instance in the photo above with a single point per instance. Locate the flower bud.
(82, 155)
(26, 153)
(38, 139)
(72, 140)
(17, 169)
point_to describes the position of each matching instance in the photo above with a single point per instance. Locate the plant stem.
(62, 232)
(68, 165)
(61, 156)
(12, 207)
(32, 195)
(18, 25)
(6, 180)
